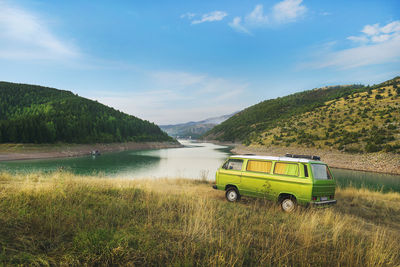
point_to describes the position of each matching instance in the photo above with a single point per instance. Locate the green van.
(289, 180)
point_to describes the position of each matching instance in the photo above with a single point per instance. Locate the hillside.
(362, 122)
(36, 114)
(351, 119)
(193, 129)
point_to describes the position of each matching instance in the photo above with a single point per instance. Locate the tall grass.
(64, 219)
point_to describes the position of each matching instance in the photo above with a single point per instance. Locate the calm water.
(195, 160)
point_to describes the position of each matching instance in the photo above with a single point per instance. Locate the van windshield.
(233, 164)
(321, 172)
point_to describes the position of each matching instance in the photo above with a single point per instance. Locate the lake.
(196, 160)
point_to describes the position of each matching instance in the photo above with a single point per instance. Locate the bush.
(388, 148)
(372, 148)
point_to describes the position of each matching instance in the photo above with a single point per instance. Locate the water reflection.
(195, 160)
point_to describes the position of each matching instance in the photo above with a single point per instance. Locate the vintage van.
(291, 180)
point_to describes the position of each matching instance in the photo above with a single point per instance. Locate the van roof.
(274, 158)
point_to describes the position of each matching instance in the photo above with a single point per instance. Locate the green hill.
(352, 118)
(36, 114)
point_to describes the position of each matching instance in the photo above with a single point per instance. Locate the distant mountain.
(193, 129)
(352, 118)
(37, 114)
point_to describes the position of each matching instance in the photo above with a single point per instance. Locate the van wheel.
(288, 204)
(232, 195)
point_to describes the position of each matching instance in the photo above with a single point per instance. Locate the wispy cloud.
(237, 25)
(24, 35)
(188, 15)
(212, 16)
(257, 17)
(375, 45)
(283, 12)
(175, 97)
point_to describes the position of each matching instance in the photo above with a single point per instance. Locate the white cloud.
(283, 12)
(212, 16)
(371, 29)
(377, 34)
(380, 38)
(360, 39)
(257, 17)
(376, 45)
(288, 11)
(391, 27)
(237, 25)
(24, 35)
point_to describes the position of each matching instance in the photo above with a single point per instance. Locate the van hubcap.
(232, 195)
(287, 205)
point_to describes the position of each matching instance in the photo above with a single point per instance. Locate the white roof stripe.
(273, 158)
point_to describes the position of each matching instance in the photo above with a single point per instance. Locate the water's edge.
(77, 150)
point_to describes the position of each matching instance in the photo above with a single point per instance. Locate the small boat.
(95, 153)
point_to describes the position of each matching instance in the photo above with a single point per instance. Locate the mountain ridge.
(194, 129)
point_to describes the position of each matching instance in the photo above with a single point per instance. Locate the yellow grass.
(60, 218)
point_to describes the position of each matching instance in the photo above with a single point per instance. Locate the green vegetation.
(61, 219)
(36, 114)
(350, 119)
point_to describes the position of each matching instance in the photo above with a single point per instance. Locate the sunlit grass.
(60, 218)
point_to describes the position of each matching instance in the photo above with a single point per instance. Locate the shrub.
(370, 147)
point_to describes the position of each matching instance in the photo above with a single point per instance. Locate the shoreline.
(379, 162)
(11, 152)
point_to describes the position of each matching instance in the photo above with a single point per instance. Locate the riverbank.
(62, 219)
(381, 162)
(43, 151)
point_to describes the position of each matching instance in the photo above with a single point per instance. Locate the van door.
(231, 173)
(255, 178)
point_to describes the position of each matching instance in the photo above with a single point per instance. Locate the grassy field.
(64, 219)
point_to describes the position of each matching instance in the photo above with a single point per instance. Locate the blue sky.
(177, 61)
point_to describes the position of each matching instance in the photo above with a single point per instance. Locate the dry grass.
(64, 219)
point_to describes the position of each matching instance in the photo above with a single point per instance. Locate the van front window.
(233, 164)
(320, 172)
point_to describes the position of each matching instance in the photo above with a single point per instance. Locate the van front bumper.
(321, 203)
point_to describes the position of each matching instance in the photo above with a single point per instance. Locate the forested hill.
(36, 114)
(350, 118)
(266, 114)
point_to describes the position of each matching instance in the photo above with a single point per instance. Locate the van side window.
(259, 166)
(233, 164)
(286, 168)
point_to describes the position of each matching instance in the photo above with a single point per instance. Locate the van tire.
(232, 194)
(288, 204)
